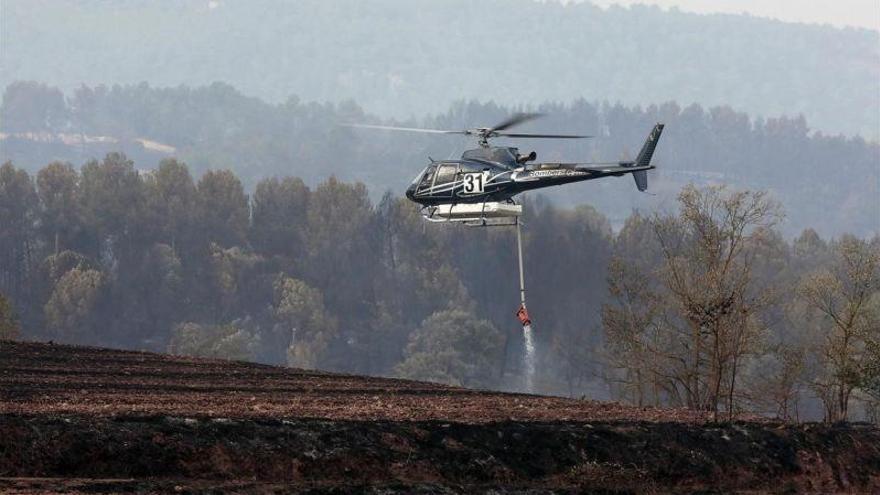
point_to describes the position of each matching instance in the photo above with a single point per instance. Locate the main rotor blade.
(515, 119)
(549, 136)
(407, 129)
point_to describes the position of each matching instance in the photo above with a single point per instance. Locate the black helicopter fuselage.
(495, 173)
(477, 181)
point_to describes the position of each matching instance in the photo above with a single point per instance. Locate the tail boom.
(643, 161)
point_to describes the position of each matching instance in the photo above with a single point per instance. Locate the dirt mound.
(116, 421)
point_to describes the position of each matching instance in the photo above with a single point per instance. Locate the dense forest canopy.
(239, 219)
(400, 58)
(829, 183)
(324, 277)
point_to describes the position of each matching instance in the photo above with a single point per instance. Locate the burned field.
(88, 420)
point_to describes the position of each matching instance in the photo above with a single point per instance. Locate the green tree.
(112, 198)
(19, 209)
(157, 296)
(809, 245)
(279, 216)
(300, 309)
(71, 310)
(418, 277)
(172, 200)
(9, 327)
(57, 265)
(223, 208)
(30, 106)
(340, 234)
(61, 218)
(238, 282)
(213, 341)
(454, 347)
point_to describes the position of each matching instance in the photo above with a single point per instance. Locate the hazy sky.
(840, 13)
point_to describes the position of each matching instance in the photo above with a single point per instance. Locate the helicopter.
(480, 186)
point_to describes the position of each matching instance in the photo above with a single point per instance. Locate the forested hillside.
(829, 183)
(145, 205)
(323, 277)
(399, 58)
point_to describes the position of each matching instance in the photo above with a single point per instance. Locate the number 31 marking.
(474, 183)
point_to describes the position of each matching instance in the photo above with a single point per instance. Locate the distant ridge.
(217, 126)
(399, 58)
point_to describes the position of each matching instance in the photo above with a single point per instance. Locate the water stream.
(529, 358)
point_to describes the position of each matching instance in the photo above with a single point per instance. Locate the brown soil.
(58, 379)
(86, 420)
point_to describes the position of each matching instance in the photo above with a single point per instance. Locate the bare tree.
(692, 333)
(634, 340)
(708, 251)
(9, 328)
(871, 378)
(776, 383)
(844, 297)
(573, 360)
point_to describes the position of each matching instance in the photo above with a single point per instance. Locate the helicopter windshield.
(446, 173)
(506, 156)
(423, 180)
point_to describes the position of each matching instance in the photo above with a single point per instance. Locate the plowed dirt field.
(88, 420)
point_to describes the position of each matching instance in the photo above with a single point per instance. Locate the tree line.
(709, 307)
(823, 181)
(316, 277)
(712, 309)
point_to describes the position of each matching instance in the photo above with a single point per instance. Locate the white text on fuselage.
(556, 173)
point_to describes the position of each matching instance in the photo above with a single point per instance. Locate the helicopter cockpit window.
(425, 178)
(446, 173)
(503, 155)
